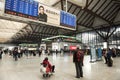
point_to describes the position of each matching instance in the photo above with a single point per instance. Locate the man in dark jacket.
(77, 59)
(15, 53)
(109, 56)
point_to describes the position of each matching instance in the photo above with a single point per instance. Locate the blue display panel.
(67, 19)
(26, 7)
(8, 4)
(35, 8)
(30, 7)
(15, 5)
(22, 8)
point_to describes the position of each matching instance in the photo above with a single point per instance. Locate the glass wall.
(91, 38)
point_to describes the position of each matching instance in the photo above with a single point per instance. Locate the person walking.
(109, 58)
(39, 52)
(104, 52)
(77, 59)
(1, 52)
(15, 53)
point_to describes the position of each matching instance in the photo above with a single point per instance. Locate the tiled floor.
(28, 69)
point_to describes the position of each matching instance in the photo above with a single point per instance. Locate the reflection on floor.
(28, 69)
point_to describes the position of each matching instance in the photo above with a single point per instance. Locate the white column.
(66, 5)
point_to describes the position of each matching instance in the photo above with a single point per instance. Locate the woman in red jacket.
(47, 63)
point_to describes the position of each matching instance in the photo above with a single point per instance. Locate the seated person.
(46, 62)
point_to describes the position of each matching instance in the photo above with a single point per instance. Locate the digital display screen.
(22, 8)
(36, 11)
(67, 19)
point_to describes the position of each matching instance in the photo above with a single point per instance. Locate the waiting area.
(29, 68)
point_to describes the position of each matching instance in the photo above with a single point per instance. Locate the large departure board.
(67, 19)
(28, 10)
(23, 8)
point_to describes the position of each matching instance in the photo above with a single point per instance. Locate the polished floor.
(29, 69)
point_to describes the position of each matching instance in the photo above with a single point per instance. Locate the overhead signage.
(33, 11)
(67, 19)
(73, 47)
(22, 8)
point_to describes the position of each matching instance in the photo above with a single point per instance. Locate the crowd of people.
(109, 54)
(17, 52)
(78, 57)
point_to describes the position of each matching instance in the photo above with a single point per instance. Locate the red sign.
(73, 47)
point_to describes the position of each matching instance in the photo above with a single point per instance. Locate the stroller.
(45, 70)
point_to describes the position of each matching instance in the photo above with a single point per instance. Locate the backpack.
(79, 56)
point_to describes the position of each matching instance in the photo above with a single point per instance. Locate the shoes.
(81, 76)
(77, 77)
(53, 71)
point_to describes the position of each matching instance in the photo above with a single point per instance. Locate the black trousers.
(16, 58)
(39, 54)
(105, 59)
(0, 56)
(109, 62)
(53, 68)
(79, 71)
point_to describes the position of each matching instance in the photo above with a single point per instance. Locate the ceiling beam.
(91, 22)
(41, 33)
(45, 29)
(85, 17)
(94, 14)
(117, 1)
(113, 15)
(101, 6)
(78, 19)
(112, 32)
(74, 10)
(113, 11)
(69, 8)
(89, 19)
(56, 3)
(88, 4)
(95, 4)
(108, 10)
(62, 6)
(105, 7)
(50, 30)
(78, 11)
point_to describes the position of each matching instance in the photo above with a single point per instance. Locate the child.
(46, 62)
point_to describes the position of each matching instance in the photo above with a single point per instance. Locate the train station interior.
(32, 31)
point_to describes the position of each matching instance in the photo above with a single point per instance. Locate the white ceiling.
(8, 29)
(51, 2)
(79, 2)
(48, 2)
